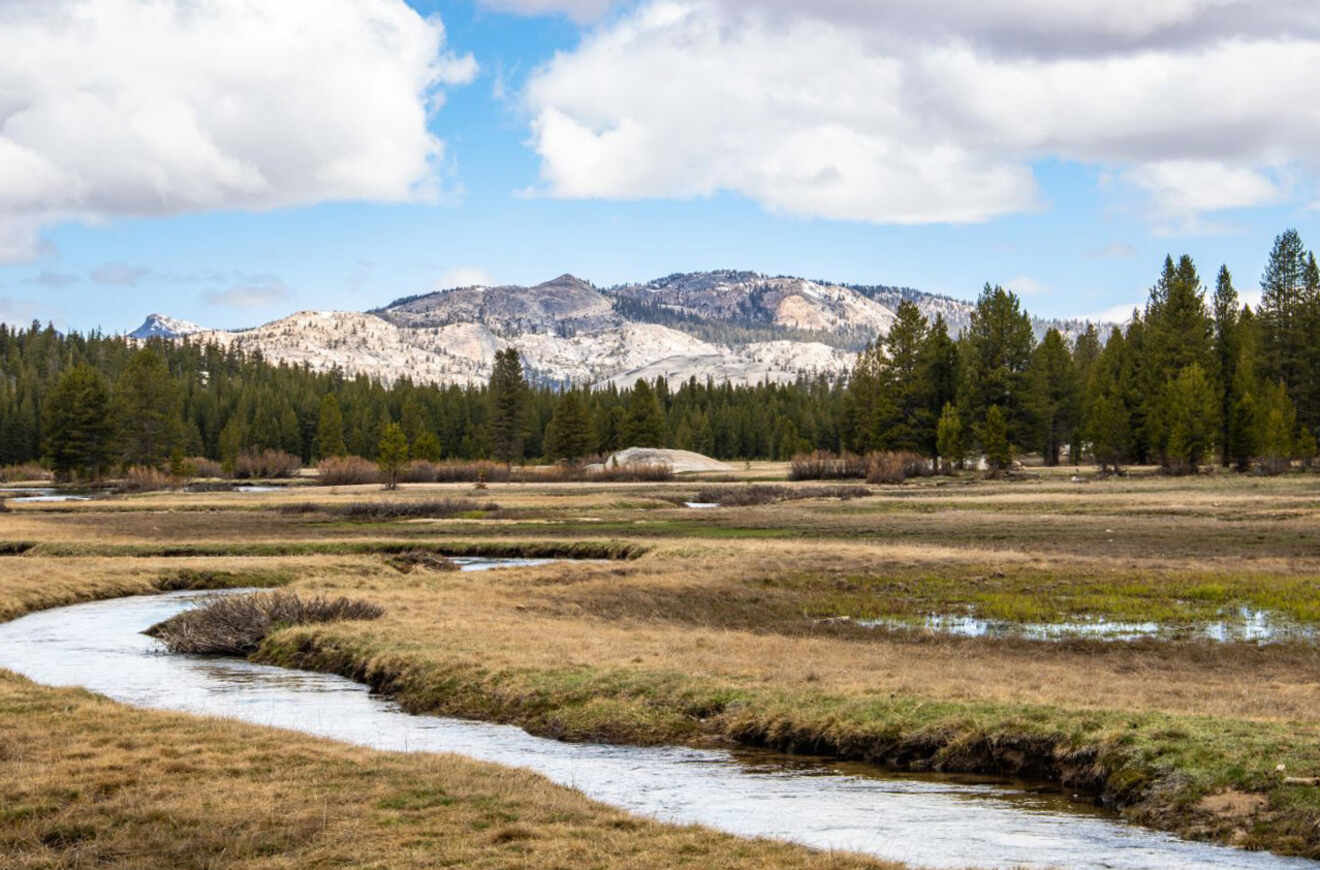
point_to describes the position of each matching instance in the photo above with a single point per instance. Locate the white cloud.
(256, 291)
(465, 276)
(53, 280)
(121, 107)
(579, 10)
(1120, 315)
(1113, 251)
(1026, 286)
(882, 112)
(120, 273)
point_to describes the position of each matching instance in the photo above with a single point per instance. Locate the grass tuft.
(235, 626)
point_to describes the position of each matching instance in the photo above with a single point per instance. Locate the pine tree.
(1282, 310)
(995, 440)
(330, 429)
(1108, 408)
(1055, 395)
(1276, 436)
(949, 438)
(1178, 336)
(148, 410)
(644, 423)
(568, 435)
(939, 375)
(79, 429)
(902, 381)
(508, 407)
(996, 362)
(1227, 314)
(1191, 413)
(392, 455)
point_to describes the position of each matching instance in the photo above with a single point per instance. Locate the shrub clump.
(896, 466)
(24, 472)
(143, 478)
(236, 625)
(393, 510)
(407, 562)
(266, 464)
(754, 494)
(347, 471)
(823, 465)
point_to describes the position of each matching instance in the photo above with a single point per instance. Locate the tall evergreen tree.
(1227, 314)
(1192, 417)
(147, 403)
(330, 428)
(79, 429)
(1055, 396)
(508, 407)
(568, 435)
(996, 362)
(995, 439)
(392, 454)
(644, 422)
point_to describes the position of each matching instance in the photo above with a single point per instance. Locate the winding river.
(928, 821)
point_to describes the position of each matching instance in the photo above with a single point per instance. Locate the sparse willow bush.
(407, 562)
(142, 478)
(236, 625)
(754, 494)
(24, 471)
(200, 466)
(266, 464)
(469, 472)
(633, 472)
(896, 466)
(392, 510)
(419, 471)
(347, 471)
(823, 465)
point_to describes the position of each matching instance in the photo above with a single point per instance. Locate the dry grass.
(85, 782)
(713, 632)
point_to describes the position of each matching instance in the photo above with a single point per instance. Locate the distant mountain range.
(728, 325)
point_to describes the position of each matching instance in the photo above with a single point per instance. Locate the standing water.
(927, 821)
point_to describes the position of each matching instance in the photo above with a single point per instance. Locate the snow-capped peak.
(164, 326)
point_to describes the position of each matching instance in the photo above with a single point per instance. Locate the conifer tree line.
(1195, 376)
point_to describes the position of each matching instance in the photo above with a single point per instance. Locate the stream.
(929, 821)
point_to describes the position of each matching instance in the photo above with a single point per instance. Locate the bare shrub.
(266, 464)
(407, 562)
(236, 625)
(23, 472)
(823, 465)
(754, 494)
(200, 466)
(419, 471)
(347, 471)
(896, 466)
(632, 472)
(142, 478)
(392, 510)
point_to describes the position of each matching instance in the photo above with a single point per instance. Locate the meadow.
(796, 619)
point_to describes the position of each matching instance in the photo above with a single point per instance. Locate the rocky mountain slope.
(727, 325)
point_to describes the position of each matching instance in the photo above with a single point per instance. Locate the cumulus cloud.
(53, 280)
(1023, 285)
(124, 274)
(1113, 251)
(881, 112)
(119, 107)
(255, 291)
(579, 10)
(465, 276)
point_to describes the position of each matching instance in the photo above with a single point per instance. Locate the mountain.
(727, 325)
(163, 326)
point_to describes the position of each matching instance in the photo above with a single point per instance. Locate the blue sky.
(1078, 223)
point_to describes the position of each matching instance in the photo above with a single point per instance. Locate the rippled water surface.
(936, 822)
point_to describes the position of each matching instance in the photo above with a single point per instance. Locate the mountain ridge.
(724, 324)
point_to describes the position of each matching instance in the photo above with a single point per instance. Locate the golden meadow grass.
(714, 627)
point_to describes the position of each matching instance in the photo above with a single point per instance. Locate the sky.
(233, 161)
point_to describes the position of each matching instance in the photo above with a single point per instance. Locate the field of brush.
(1148, 642)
